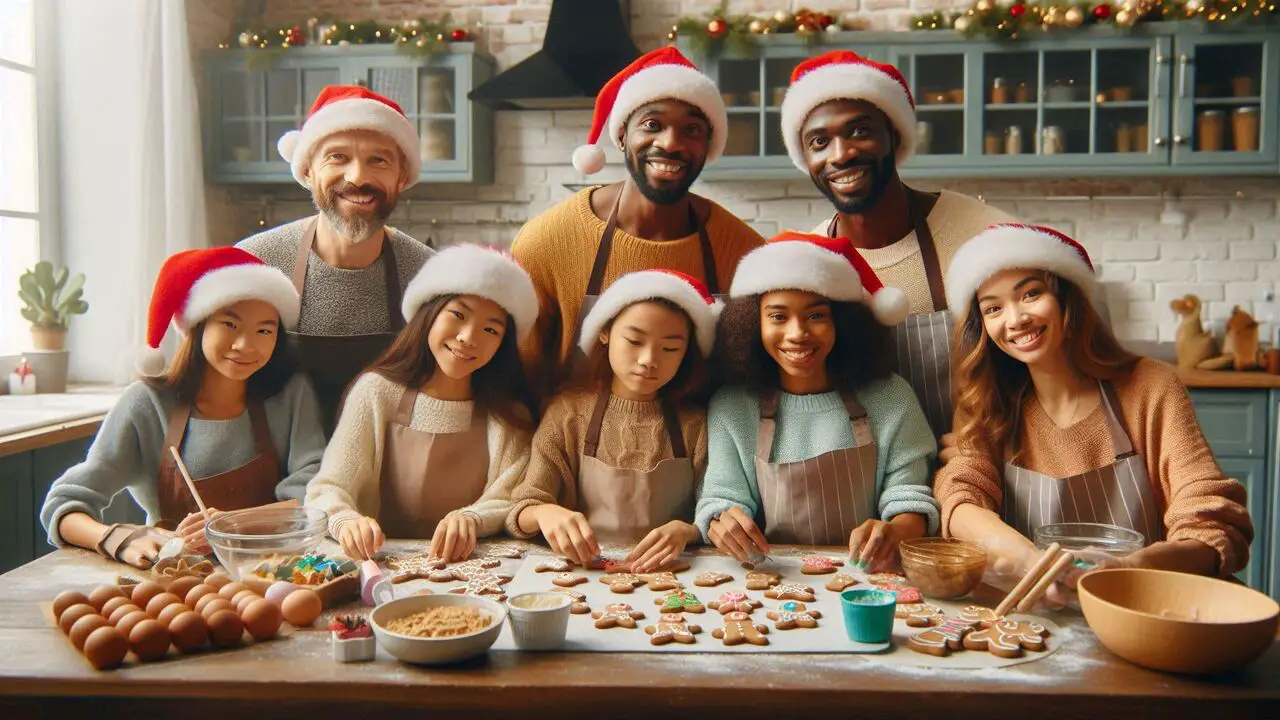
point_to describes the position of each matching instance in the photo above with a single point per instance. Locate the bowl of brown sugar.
(437, 629)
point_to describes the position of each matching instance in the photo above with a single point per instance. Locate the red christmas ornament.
(1018, 10)
(717, 28)
(294, 36)
(1102, 12)
(458, 35)
(827, 20)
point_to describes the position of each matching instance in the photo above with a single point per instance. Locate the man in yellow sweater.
(669, 121)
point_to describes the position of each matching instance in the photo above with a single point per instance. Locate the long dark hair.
(186, 369)
(862, 352)
(500, 387)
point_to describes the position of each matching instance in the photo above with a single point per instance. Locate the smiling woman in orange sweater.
(1056, 422)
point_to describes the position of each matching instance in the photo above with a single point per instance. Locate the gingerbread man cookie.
(792, 614)
(553, 564)
(579, 606)
(661, 581)
(734, 601)
(980, 616)
(711, 579)
(840, 582)
(622, 583)
(617, 615)
(739, 629)
(941, 640)
(1007, 638)
(790, 591)
(568, 579)
(918, 614)
(419, 566)
(483, 585)
(672, 628)
(758, 580)
(680, 601)
(819, 565)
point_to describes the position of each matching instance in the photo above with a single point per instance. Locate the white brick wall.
(1226, 252)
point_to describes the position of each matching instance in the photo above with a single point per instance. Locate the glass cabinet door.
(428, 94)
(1226, 90)
(257, 107)
(938, 79)
(739, 84)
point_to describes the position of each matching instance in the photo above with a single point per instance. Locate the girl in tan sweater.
(434, 435)
(619, 457)
(1056, 422)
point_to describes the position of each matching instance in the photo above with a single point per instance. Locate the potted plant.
(50, 299)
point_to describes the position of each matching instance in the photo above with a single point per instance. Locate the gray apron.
(821, 500)
(1116, 494)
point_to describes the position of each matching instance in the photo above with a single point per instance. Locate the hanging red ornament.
(458, 35)
(717, 28)
(1018, 10)
(295, 36)
(827, 20)
(1102, 12)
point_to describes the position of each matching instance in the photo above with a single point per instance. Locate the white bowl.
(435, 651)
(543, 623)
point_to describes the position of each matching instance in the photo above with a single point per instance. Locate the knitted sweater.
(127, 451)
(633, 436)
(1198, 502)
(953, 220)
(558, 248)
(810, 425)
(349, 482)
(338, 301)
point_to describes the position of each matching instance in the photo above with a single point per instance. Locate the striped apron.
(1116, 494)
(922, 342)
(821, 500)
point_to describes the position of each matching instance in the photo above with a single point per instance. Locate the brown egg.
(235, 599)
(110, 606)
(183, 585)
(102, 594)
(74, 613)
(149, 640)
(217, 580)
(128, 622)
(105, 647)
(160, 602)
(218, 603)
(194, 594)
(123, 611)
(189, 632)
(229, 590)
(262, 619)
(66, 599)
(301, 607)
(225, 628)
(85, 625)
(144, 591)
(169, 612)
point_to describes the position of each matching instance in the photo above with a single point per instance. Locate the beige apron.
(1117, 494)
(333, 361)
(623, 505)
(821, 500)
(249, 485)
(426, 476)
(922, 342)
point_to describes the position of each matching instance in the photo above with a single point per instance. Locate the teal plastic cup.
(868, 614)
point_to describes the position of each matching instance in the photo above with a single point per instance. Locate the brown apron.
(624, 505)
(821, 500)
(426, 476)
(1116, 494)
(249, 485)
(333, 361)
(922, 342)
(596, 282)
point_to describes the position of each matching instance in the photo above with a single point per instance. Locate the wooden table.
(42, 675)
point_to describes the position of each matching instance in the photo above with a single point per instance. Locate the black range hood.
(586, 44)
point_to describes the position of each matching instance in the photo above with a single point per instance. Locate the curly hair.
(988, 386)
(863, 349)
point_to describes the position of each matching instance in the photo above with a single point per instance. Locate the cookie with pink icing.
(819, 565)
(733, 601)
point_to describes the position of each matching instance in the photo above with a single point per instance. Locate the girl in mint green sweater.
(814, 441)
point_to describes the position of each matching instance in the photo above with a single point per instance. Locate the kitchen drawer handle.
(1179, 140)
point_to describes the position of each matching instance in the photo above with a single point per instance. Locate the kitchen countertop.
(28, 422)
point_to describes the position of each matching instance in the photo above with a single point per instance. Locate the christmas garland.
(718, 31)
(416, 38)
(990, 19)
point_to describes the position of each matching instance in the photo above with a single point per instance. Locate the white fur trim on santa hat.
(229, 285)
(1006, 247)
(846, 81)
(797, 265)
(675, 82)
(296, 146)
(475, 270)
(649, 285)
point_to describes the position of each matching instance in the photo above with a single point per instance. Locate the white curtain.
(131, 175)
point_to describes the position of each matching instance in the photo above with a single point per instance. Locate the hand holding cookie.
(455, 536)
(567, 532)
(735, 533)
(662, 545)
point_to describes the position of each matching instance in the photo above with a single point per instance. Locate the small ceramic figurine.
(352, 639)
(22, 381)
(1194, 343)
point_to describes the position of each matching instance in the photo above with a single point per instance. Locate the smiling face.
(1022, 315)
(356, 178)
(647, 341)
(466, 335)
(798, 331)
(240, 338)
(666, 144)
(849, 149)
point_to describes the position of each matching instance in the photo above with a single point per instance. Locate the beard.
(355, 226)
(882, 172)
(668, 192)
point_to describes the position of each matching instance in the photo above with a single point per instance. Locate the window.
(20, 218)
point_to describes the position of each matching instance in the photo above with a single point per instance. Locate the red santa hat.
(339, 108)
(475, 270)
(194, 284)
(686, 291)
(845, 75)
(830, 267)
(663, 74)
(1012, 245)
